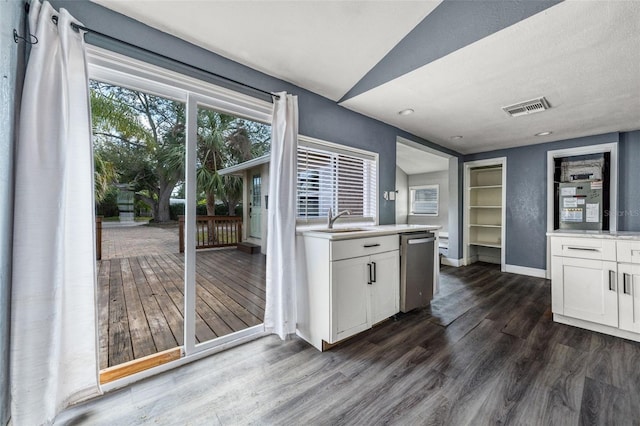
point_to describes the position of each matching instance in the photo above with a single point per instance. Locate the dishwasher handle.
(421, 240)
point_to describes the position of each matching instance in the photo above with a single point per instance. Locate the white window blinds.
(334, 178)
(424, 200)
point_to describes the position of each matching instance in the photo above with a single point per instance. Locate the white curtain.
(53, 312)
(280, 309)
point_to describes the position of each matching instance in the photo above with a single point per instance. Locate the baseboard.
(451, 262)
(523, 270)
(600, 328)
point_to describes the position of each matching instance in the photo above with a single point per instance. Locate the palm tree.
(213, 130)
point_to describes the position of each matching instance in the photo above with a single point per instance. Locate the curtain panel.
(280, 307)
(53, 313)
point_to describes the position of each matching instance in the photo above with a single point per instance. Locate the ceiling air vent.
(527, 107)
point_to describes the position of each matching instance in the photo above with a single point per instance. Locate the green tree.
(142, 135)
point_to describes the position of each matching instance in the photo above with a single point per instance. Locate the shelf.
(485, 187)
(485, 244)
(485, 207)
(480, 225)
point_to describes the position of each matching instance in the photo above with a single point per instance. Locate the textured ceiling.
(456, 63)
(584, 57)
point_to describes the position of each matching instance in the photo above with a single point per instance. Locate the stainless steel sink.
(340, 230)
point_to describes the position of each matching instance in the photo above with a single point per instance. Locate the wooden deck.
(141, 300)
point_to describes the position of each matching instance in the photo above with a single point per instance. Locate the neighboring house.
(255, 187)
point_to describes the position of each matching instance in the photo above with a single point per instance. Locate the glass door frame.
(121, 70)
(195, 101)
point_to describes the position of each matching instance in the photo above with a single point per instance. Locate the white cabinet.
(350, 285)
(629, 297)
(595, 284)
(628, 254)
(385, 286)
(350, 303)
(585, 289)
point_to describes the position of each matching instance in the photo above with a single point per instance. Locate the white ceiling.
(323, 46)
(582, 55)
(415, 161)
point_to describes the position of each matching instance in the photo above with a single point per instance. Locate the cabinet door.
(349, 297)
(629, 296)
(385, 289)
(585, 289)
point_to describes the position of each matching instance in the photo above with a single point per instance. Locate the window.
(335, 177)
(424, 200)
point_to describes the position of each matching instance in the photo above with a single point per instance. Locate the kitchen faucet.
(331, 219)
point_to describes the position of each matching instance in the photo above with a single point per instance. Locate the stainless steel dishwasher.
(416, 269)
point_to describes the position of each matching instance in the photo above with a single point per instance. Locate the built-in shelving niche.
(484, 212)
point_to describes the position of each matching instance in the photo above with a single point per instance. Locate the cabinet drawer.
(345, 249)
(628, 251)
(584, 248)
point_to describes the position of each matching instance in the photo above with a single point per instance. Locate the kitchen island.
(349, 279)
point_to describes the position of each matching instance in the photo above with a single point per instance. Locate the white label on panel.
(570, 202)
(593, 211)
(568, 192)
(581, 201)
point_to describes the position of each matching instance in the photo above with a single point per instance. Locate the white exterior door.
(255, 207)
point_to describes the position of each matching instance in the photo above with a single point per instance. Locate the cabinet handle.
(625, 289)
(612, 281)
(371, 245)
(374, 272)
(583, 248)
(370, 275)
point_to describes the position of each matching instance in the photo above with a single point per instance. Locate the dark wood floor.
(486, 352)
(141, 301)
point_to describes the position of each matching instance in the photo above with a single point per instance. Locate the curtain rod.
(77, 27)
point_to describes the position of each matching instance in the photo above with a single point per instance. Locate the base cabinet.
(595, 284)
(349, 304)
(350, 285)
(585, 289)
(629, 297)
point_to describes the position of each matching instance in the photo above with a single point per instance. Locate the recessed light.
(455, 138)
(406, 111)
(543, 133)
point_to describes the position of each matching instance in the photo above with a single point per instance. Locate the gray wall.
(629, 180)
(526, 210)
(319, 117)
(11, 72)
(402, 196)
(434, 178)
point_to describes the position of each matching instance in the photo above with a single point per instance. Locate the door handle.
(625, 289)
(374, 272)
(612, 281)
(370, 275)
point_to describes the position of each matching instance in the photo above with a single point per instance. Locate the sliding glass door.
(227, 299)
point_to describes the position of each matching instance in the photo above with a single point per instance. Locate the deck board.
(141, 300)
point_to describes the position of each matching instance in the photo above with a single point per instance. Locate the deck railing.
(214, 231)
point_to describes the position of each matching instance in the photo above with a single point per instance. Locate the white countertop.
(367, 230)
(619, 235)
